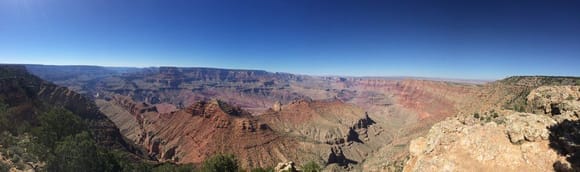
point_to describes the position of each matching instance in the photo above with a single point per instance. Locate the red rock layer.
(209, 127)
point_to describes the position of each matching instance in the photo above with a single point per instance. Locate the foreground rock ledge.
(515, 142)
(520, 144)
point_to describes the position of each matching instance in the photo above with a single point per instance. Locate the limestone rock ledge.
(514, 142)
(454, 146)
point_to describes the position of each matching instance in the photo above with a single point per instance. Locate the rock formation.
(560, 101)
(515, 142)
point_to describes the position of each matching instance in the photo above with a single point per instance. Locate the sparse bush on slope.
(311, 167)
(260, 169)
(75, 153)
(4, 167)
(220, 163)
(167, 167)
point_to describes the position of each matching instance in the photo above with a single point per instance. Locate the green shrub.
(55, 125)
(5, 122)
(20, 166)
(519, 108)
(15, 158)
(75, 153)
(109, 161)
(22, 128)
(4, 167)
(137, 167)
(220, 163)
(173, 168)
(7, 139)
(311, 167)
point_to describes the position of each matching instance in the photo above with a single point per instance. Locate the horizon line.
(435, 78)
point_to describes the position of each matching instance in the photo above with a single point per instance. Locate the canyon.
(184, 115)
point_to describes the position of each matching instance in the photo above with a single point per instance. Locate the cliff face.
(512, 142)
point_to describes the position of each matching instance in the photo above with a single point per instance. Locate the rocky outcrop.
(454, 146)
(515, 142)
(562, 102)
(528, 127)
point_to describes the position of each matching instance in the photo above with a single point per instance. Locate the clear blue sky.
(458, 39)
